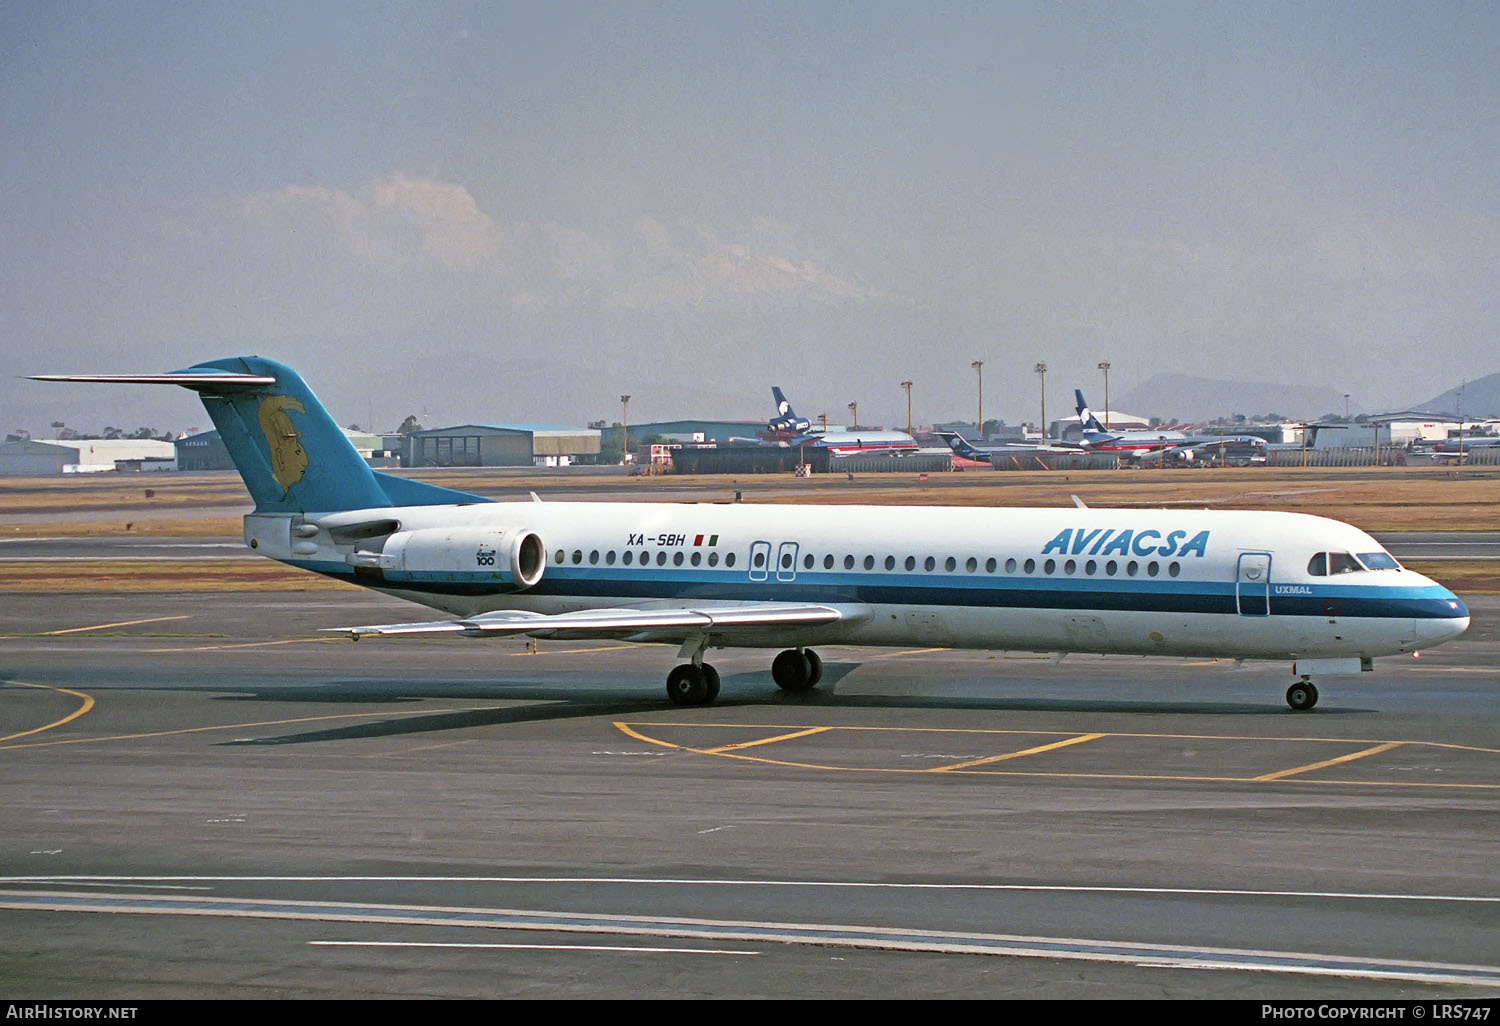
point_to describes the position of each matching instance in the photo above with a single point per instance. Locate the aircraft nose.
(1452, 622)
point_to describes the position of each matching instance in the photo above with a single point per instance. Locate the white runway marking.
(892, 938)
(1477, 899)
(624, 948)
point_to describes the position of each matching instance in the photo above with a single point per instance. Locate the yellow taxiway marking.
(1064, 733)
(907, 652)
(1080, 739)
(243, 644)
(735, 751)
(255, 724)
(766, 740)
(88, 703)
(122, 623)
(1310, 767)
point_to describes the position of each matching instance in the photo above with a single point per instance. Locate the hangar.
(42, 457)
(501, 445)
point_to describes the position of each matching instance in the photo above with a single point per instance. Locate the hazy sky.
(501, 212)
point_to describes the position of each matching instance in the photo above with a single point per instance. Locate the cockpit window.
(1379, 561)
(1342, 563)
(1318, 565)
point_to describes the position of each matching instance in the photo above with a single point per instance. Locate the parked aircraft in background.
(1167, 446)
(789, 429)
(1314, 592)
(786, 420)
(1097, 439)
(1225, 450)
(961, 446)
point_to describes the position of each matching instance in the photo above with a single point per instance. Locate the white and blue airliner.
(1318, 594)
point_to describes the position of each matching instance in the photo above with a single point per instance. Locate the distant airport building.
(1070, 430)
(501, 445)
(683, 431)
(1403, 428)
(44, 457)
(203, 451)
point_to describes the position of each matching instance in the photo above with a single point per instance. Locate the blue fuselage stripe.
(1161, 595)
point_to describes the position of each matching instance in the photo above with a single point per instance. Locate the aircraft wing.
(635, 624)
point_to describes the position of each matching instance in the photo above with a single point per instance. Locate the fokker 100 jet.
(1316, 593)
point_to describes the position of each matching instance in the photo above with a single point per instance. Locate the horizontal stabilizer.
(187, 379)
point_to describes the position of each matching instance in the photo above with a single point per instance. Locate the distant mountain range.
(1472, 399)
(1183, 399)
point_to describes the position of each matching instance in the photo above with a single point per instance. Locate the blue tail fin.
(961, 445)
(1087, 419)
(290, 453)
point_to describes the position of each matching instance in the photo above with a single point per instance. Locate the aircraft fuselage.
(1201, 583)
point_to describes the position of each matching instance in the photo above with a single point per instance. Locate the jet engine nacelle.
(504, 559)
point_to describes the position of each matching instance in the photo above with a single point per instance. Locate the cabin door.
(786, 561)
(760, 559)
(1253, 584)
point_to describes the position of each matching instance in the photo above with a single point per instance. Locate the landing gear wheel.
(689, 685)
(816, 665)
(1302, 695)
(711, 678)
(793, 670)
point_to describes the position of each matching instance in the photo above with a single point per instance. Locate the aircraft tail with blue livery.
(290, 452)
(1085, 416)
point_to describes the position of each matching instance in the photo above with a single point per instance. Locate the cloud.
(391, 224)
(693, 267)
(398, 224)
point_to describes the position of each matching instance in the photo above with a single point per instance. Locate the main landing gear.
(1302, 695)
(697, 683)
(693, 684)
(797, 669)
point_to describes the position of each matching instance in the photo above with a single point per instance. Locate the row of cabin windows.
(628, 558)
(1070, 567)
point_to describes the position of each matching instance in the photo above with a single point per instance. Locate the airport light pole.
(625, 432)
(1104, 366)
(978, 365)
(1041, 370)
(854, 412)
(907, 385)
